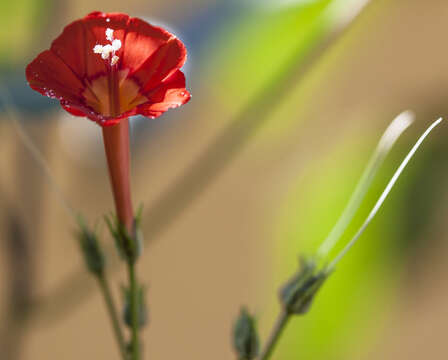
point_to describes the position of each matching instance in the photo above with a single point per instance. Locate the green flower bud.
(298, 293)
(91, 249)
(142, 309)
(129, 246)
(245, 337)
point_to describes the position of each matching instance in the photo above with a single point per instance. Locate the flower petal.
(75, 45)
(85, 111)
(170, 94)
(72, 110)
(50, 76)
(161, 64)
(141, 41)
(97, 23)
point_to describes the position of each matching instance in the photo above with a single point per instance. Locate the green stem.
(112, 310)
(277, 331)
(134, 310)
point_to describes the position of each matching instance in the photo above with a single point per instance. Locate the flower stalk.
(135, 309)
(114, 318)
(95, 262)
(296, 297)
(277, 331)
(108, 67)
(116, 145)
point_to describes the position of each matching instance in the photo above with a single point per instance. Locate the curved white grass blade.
(383, 195)
(390, 136)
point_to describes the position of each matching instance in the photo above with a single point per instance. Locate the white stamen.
(109, 34)
(108, 48)
(116, 44)
(383, 195)
(98, 49)
(114, 60)
(108, 51)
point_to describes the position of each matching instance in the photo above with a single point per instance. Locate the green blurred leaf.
(20, 21)
(256, 47)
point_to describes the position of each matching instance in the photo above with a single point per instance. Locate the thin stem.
(114, 318)
(277, 331)
(134, 305)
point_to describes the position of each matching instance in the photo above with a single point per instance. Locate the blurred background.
(289, 100)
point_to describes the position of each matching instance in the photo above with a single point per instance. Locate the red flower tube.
(108, 67)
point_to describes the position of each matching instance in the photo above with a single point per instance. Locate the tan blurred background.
(227, 230)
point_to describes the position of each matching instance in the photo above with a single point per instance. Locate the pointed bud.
(245, 337)
(129, 246)
(298, 293)
(142, 309)
(91, 249)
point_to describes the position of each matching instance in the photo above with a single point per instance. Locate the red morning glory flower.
(108, 67)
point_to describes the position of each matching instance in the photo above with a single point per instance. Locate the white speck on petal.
(116, 44)
(107, 49)
(109, 34)
(98, 49)
(114, 60)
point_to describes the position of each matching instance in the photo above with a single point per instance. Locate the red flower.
(108, 67)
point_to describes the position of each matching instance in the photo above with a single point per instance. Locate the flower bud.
(91, 249)
(129, 246)
(298, 293)
(245, 337)
(142, 309)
